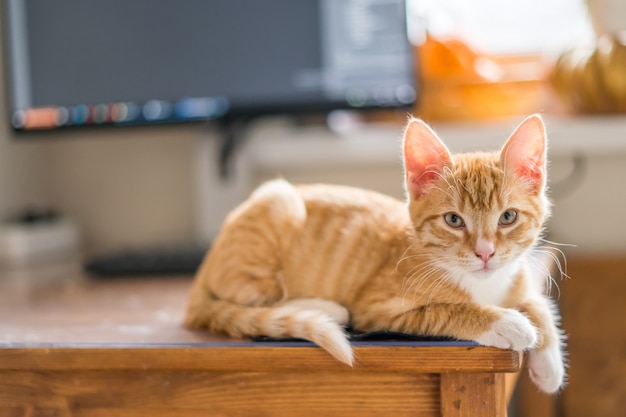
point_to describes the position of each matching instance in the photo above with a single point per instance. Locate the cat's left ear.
(524, 153)
(425, 157)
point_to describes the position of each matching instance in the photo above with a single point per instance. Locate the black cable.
(231, 137)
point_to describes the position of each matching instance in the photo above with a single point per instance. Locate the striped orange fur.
(453, 260)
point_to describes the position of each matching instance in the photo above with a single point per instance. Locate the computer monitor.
(118, 62)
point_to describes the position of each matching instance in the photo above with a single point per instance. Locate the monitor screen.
(119, 62)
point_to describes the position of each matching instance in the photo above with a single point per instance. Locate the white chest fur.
(489, 289)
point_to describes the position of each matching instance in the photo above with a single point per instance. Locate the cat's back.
(300, 219)
(341, 200)
(347, 236)
(280, 202)
(319, 234)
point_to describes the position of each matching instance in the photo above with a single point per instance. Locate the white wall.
(124, 187)
(592, 217)
(20, 175)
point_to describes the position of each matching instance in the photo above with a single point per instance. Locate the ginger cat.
(303, 261)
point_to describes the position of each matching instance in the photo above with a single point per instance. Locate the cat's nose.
(484, 249)
(485, 254)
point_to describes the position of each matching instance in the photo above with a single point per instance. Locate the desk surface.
(118, 348)
(111, 323)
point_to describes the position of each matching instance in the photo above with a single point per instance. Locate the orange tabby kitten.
(303, 261)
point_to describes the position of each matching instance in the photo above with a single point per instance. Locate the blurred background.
(126, 150)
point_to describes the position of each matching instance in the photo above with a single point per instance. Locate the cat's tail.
(284, 321)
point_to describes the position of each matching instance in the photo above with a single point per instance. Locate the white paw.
(546, 368)
(512, 331)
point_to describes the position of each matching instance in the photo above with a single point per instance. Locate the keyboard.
(183, 260)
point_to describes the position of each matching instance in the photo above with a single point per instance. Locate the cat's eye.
(453, 220)
(508, 217)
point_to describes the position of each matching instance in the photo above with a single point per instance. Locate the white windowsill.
(278, 147)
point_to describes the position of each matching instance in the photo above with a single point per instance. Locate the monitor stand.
(223, 178)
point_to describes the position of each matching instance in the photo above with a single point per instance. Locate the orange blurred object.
(41, 118)
(459, 82)
(440, 59)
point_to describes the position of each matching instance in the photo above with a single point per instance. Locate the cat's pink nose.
(485, 254)
(484, 249)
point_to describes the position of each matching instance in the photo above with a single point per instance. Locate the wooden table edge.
(254, 357)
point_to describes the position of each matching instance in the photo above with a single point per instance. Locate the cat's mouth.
(485, 270)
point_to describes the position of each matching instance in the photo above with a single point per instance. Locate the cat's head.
(477, 212)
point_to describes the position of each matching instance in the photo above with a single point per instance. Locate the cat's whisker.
(571, 245)
(418, 275)
(549, 250)
(505, 173)
(462, 185)
(422, 279)
(415, 269)
(552, 279)
(441, 280)
(416, 286)
(433, 271)
(433, 287)
(447, 192)
(547, 271)
(417, 278)
(405, 257)
(516, 188)
(444, 175)
(412, 257)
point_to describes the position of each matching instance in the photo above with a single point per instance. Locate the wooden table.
(116, 348)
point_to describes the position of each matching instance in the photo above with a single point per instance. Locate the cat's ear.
(524, 153)
(425, 157)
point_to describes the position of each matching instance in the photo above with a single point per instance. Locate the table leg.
(473, 395)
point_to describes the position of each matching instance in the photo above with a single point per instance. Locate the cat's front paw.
(512, 331)
(546, 368)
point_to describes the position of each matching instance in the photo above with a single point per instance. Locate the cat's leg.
(244, 265)
(250, 289)
(240, 275)
(545, 362)
(339, 313)
(241, 289)
(488, 325)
